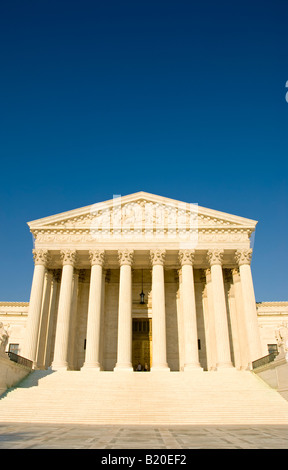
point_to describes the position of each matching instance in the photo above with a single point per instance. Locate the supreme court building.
(142, 279)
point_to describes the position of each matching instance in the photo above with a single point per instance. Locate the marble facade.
(192, 264)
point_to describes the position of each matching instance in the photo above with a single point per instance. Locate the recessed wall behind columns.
(172, 331)
(111, 319)
(174, 318)
(202, 349)
(81, 326)
(174, 322)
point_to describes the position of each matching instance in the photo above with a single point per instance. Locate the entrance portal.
(142, 343)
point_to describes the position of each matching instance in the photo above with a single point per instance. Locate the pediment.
(140, 211)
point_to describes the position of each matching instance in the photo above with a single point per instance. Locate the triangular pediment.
(138, 209)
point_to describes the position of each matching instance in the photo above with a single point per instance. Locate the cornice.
(87, 229)
(14, 304)
(275, 303)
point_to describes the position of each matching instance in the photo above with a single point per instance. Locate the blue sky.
(178, 98)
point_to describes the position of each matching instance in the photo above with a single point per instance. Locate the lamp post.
(142, 295)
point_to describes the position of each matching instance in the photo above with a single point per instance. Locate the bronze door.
(142, 343)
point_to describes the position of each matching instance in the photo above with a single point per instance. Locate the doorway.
(142, 343)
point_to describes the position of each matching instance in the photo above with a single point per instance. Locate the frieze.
(85, 236)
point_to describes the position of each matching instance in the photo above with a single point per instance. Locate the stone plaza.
(57, 436)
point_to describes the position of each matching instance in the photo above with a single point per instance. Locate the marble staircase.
(195, 397)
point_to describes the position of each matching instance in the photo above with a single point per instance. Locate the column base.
(94, 367)
(225, 365)
(123, 368)
(160, 368)
(192, 368)
(59, 366)
(37, 366)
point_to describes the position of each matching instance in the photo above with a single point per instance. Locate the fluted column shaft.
(220, 311)
(92, 357)
(64, 311)
(124, 345)
(159, 359)
(210, 324)
(189, 311)
(73, 322)
(51, 317)
(243, 258)
(243, 342)
(44, 319)
(35, 306)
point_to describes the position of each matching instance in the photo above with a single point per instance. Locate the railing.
(20, 360)
(264, 360)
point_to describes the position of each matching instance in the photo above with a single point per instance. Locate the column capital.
(215, 256)
(97, 257)
(157, 257)
(125, 257)
(41, 256)
(186, 257)
(68, 257)
(243, 256)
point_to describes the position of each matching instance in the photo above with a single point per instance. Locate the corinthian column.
(243, 258)
(92, 358)
(186, 258)
(64, 311)
(124, 346)
(35, 305)
(159, 360)
(220, 311)
(44, 319)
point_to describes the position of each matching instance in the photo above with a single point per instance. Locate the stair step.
(89, 397)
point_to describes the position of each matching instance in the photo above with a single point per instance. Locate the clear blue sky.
(179, 98)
